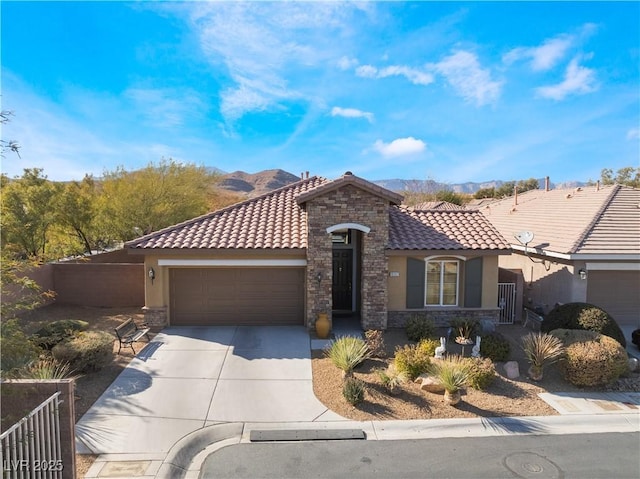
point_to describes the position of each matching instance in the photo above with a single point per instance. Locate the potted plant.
(541, 350)
(464, 329)
(453, 373)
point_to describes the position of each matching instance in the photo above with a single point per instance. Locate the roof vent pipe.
(302, 175)
(306, 174)
(598, 185)
(546, 183)
(515, 195)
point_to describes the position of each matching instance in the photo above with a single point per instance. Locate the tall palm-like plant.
(348, 352)
(453, 373)
(541, 349)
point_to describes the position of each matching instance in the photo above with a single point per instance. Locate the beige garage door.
(618, 293)
(246, 296)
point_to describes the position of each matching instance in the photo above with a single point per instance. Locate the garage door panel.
(226, 296)
(617, 293)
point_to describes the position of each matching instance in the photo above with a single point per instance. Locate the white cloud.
(346, 63)
(415, 76)
(578, 80)
(351, 113)
(367, 71)
(543, 57)
(633, 134)
(400, 147)
(463, 72)
(259, 42)
(167, 108)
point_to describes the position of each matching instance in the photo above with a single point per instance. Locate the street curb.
(181, 457)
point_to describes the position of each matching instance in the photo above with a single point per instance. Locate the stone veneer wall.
(348, 204)
(155, 317)
(398, 319)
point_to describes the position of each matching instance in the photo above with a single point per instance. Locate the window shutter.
(473, 283)
(415, 283)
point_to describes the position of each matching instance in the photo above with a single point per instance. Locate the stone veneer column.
(348, 204)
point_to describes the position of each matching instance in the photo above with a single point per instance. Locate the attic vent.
(348, 173)
(568, 195)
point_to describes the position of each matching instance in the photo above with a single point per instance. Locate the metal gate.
(507, 302)
(31, 448)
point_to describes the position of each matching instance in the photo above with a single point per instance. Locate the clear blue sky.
(449, 91)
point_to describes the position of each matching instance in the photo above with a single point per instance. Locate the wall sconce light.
(151, 274)
(583, 273)
(319, 277)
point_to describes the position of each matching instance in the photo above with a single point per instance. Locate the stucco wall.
(397, 285)
(542, 288)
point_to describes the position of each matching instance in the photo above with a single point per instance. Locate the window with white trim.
(441, 283)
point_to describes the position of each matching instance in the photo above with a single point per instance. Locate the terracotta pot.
(323, 326)
(452, 398)
(535, 373)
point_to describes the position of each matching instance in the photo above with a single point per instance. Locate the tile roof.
(277, 221)
(436, 205)
(571, 221)
(442, 230)
(273, 220)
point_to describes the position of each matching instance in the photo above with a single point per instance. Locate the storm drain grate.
(262, 435)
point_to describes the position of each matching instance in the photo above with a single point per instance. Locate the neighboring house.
(437, 205)
(586, 246)
(342, 247)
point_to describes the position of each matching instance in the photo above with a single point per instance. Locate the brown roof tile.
(277, 221)
(270, 221)
(442, 230)
(436, 205)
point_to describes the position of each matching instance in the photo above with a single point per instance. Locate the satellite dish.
(525, 237)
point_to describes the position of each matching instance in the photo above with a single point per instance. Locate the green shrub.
(412, 361)
(570, 336)
(375, 341)
(16, 350)
(86, 352)
(594, 362)
(419, 327)
(428, 346)
(482, 372)
(353, 390)
(348, 352)
(495, 347)
(57, 331)
(583, 316)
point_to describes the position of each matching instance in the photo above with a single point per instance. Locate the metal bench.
(129, 332)
(532, 318)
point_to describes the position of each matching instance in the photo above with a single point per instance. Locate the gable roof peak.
(350, 179)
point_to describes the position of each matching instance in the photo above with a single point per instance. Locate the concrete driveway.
(191, 377)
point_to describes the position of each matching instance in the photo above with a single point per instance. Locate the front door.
(342, 278)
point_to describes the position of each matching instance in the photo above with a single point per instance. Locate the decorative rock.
(512, 369)
(432, 385)
(633, 364)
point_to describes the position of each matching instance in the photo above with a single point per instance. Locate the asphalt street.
(584, 456)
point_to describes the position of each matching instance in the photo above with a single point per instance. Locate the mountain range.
(254, 184)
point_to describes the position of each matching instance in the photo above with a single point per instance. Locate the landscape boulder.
(430, 384)
(512, 369)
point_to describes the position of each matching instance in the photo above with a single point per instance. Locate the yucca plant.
(353, 391)
(47, 368)
(348, 352)
(541, 349)
(391, 379)
(453, 373)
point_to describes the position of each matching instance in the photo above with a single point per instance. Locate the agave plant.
(541, 349)
(453, 373)
(347, 352)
